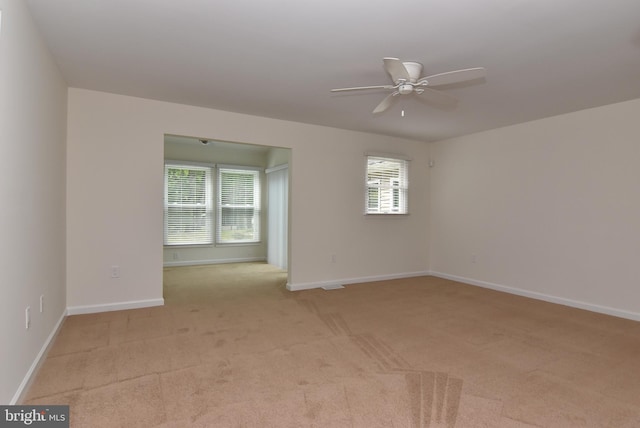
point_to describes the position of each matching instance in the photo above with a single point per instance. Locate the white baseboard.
(620, 313)
(26, 381)
(333, 284)
(91, 309)
(213, 262)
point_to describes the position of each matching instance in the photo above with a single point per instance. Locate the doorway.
(271, 217)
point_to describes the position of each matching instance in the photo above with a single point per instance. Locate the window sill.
(166, 247)
(238, 244)
(387, 214)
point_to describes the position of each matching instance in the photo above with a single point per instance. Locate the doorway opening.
(225, 202)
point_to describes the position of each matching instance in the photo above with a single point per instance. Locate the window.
(188, 204)
(387, 185)
(238, 205)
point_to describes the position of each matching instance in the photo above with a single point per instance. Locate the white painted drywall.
(115, 169)
(33, 104)
(549, 207)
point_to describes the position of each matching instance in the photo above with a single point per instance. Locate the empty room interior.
(348, 214)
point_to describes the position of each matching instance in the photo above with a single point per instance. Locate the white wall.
(32, 218)
(115, 168)
(549, 208)
(278, 156)
(216, 154)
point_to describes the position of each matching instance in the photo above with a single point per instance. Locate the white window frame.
(391, 186)
(206, 238)
(222, 231)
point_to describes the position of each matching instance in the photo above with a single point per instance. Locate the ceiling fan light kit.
(406, 81)
(405, 89)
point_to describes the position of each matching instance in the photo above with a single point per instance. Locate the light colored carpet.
(233, 348)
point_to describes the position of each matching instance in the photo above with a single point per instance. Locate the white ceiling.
(280, 58)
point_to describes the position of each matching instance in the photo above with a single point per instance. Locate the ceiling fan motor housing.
(405, 89)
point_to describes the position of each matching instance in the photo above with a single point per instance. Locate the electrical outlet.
(41, 303)
(27, 317)
(474, 258)
(175, 256)
(115, 271)
(333, 258)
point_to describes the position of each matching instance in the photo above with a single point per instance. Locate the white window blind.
(387, 185)
(238, 218)
(188, 205)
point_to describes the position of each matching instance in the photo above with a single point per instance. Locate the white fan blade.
(387, 102)
(437, 98)
(359, 88)
(453, 77)
(396, 69)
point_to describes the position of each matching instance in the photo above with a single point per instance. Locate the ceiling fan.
(407, 81)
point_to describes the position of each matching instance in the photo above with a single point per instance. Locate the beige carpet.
(233, 348)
